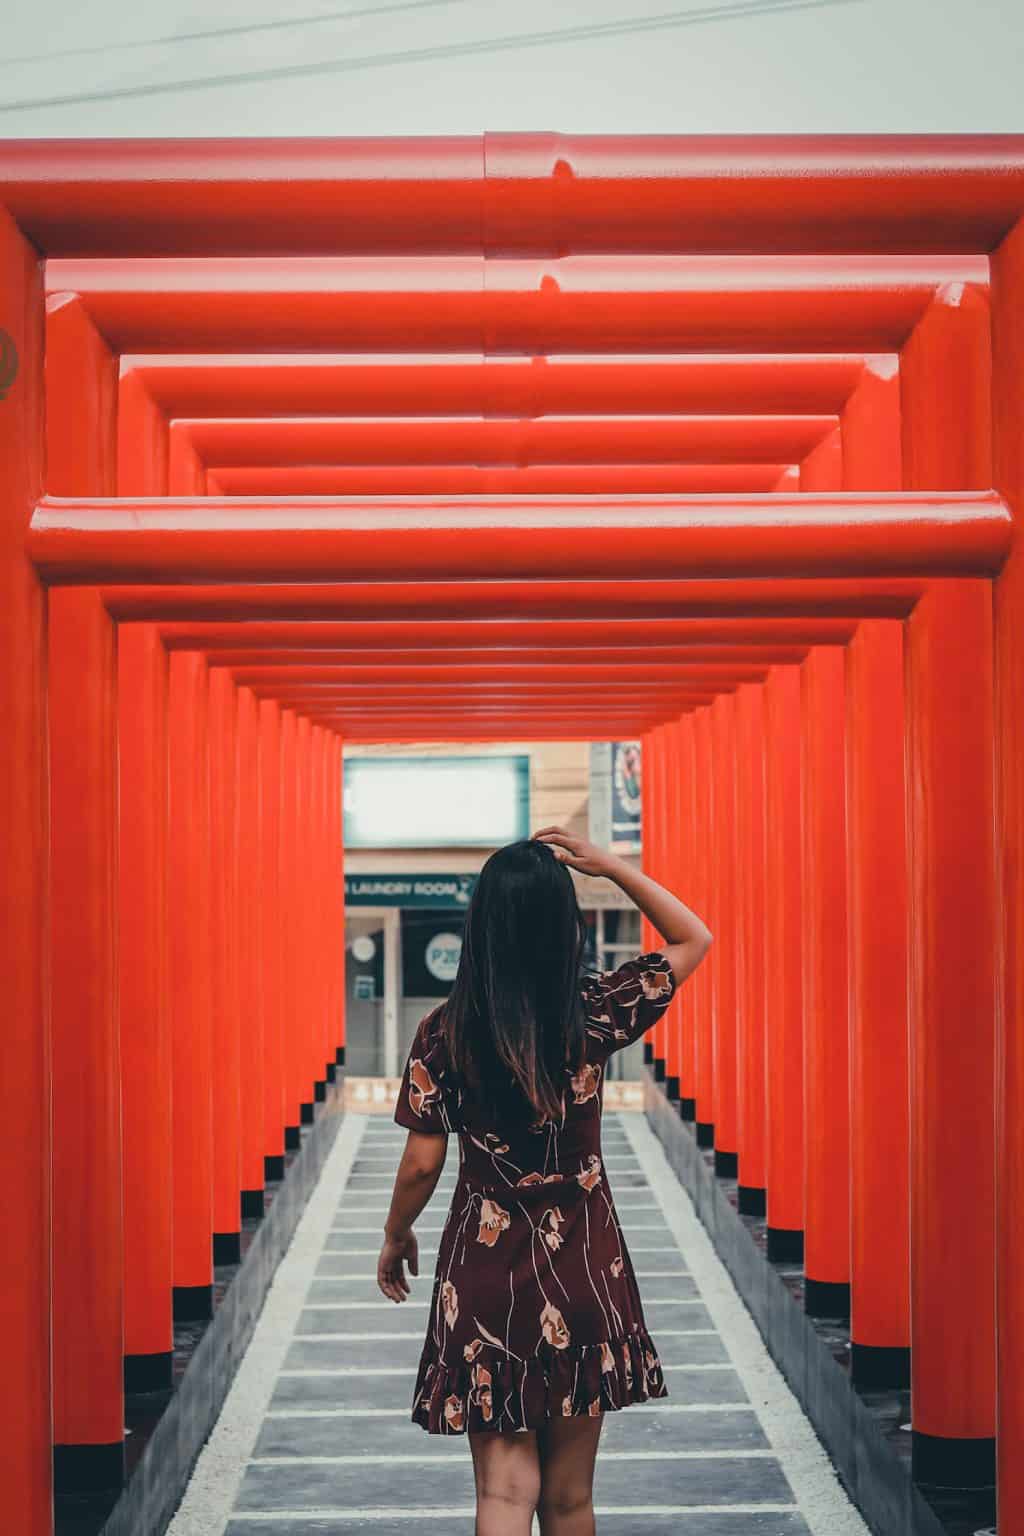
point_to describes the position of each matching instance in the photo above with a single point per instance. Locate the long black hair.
(514, 1019)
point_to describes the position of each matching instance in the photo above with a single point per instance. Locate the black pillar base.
(191, 1303)
(331, 1072)
(648, 1053)
(688, 1109)
(273, 1169)
(227, 1248)
(939, 1461)
(727, 1165)
(705, 1134)
(826, 1298)
(253, 1204)
(149, 1373)
(672, 1087)
(320, 1091)
(292, 1138)
(88, 1469)
(306, 1114)
(339, 1055)
(659, 1069)
(751, 1201)
(874, 1368)
(785, 1246)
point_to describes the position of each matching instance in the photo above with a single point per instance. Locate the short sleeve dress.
(535, 1310)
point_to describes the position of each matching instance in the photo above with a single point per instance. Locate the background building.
(405, 902)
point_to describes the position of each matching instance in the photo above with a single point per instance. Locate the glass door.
(371, 992)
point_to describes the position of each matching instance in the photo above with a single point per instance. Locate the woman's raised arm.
(687, 938)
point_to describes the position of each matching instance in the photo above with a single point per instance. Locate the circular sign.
(363, 948)
(442, 955)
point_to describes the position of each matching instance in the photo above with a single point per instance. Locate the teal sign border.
(407, 890)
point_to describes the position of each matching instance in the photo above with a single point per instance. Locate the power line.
(206, 34)
(669, 19)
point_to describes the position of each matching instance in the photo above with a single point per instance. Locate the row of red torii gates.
(716, 442)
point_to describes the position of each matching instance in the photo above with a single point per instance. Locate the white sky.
(454, 66)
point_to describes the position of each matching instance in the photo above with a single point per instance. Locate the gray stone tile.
(442, 1474)
(337, 1354)
(654, 1426)
(382, 1317)
(327, 1353)
(349, 1525)
(359, 1390)
(661, 1287)
(668, 1259)
(363, 1484)
(691, 1349)
(647, 1524)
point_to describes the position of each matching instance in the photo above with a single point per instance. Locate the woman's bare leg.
(506, 1467)
(568, 1449)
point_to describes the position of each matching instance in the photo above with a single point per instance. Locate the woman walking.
(536, 1327)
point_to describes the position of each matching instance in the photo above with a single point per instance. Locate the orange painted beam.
(398, 384)
(517, 193)
(573, 304)
(612, 638)
(693, 537)
(506, 443)
(606, 601)
(442, 480)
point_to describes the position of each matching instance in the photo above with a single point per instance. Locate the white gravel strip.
(821, 1498)
(213, 1488)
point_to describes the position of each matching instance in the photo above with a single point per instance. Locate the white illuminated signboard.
(431, 802)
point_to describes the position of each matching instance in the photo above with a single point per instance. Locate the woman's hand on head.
(576, 851)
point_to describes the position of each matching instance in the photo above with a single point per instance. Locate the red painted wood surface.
(197, 540)
(1008, 472)
(143, 982)
(26, 1460)
(784, 1045)
(727, 1001)
(225, 1009)
(541, 436)
(949, 708)
(88, 1224)
(825, 982)
(188, 899)
(706, 903)
(751, 1105)
(251, 971)
(877, 906)
(269, 937)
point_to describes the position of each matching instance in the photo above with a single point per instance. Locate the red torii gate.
(891, 476)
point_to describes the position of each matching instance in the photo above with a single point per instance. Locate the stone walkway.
(315, 1438)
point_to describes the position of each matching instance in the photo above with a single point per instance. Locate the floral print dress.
(535, 1309)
